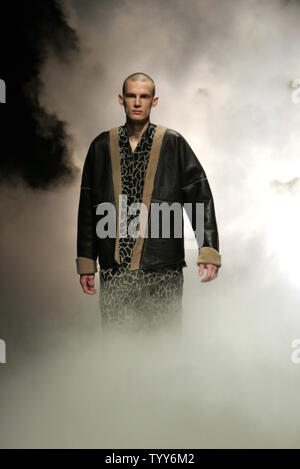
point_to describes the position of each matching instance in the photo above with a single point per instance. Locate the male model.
(141, 276)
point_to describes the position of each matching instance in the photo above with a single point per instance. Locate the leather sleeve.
(196, 188)
(86, 230)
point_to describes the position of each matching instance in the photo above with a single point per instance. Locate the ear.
(154, 101)
(121, 99)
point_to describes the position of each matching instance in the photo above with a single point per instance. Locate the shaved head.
(138, 76)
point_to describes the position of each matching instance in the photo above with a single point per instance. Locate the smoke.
(222, 71)
(36, 144)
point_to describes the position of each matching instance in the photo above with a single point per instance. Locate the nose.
(137, 102)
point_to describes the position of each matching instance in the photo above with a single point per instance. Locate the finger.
(209, 275)
(212, 273)
(216, 272)
(89, 290)
(90, 286)
(213, 270)
(86, 287)
(207, 278)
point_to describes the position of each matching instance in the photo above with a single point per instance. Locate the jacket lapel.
(116, 174)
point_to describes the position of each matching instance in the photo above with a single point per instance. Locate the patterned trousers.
(142, 300)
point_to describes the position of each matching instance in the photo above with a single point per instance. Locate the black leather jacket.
(178, 177)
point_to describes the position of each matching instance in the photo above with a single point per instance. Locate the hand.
(87, 283)
(212, 271)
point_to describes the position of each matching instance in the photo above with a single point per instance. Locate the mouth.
(137, 112)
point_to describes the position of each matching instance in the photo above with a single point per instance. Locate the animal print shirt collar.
(144, 145)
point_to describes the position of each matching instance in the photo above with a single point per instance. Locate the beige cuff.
(86, 265)
(209, 255)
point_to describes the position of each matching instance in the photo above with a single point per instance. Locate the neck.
(135, 129)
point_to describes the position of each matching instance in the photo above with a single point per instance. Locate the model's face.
(138, 100)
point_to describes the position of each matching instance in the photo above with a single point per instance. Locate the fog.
(223, 73)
